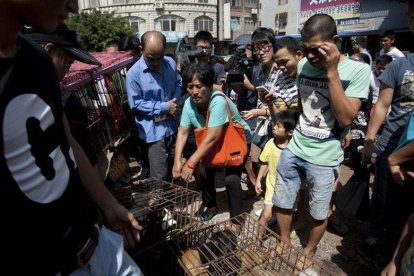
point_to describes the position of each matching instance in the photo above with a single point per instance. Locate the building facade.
(175, 18)
(280, 15)
(240, 18)
(288, 16)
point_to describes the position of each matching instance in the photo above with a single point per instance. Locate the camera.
(190, 50)
(238, 66)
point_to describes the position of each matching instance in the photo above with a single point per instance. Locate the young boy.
(287, 56)
(285, 122)
(331, 87)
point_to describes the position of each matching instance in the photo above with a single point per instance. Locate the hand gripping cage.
(231, 247)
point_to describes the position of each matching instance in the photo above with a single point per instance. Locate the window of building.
(137, 23)
(92, 3)
(235, 23)
(236, 3)
(283, 2)
(203, 23)
(202, 1)
(169, 23)
(115, 2)
(281, 21)
(250, 3)
(248, 24)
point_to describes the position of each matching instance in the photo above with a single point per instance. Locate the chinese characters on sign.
(338, 9)
(316, 2)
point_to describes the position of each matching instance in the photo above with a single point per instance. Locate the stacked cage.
(106, 104)
(100, 96)
(164, 210)
(232, 247)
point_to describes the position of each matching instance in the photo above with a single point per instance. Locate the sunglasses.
(311, 50)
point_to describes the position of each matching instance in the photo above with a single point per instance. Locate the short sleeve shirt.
(317, 137)
(286, 92)
(192, 117)
(399, 76)
(271, 155)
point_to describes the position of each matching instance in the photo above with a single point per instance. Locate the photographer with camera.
(204, 40)
(242, 63)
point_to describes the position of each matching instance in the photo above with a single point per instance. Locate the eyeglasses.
(205, 48)
(311, 50)
(265, 47)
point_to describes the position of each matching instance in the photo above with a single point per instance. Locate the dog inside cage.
(174, 243)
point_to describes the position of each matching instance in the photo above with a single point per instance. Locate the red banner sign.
(338, 9)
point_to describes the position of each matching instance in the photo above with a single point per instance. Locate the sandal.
(207, 214)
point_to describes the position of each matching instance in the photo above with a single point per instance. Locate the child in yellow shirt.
(285, 122)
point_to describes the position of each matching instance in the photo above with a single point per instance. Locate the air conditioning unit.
(159, 5)
(254, 11)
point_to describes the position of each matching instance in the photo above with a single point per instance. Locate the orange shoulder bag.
(230, 149)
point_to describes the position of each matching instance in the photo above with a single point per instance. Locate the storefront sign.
(338, 9)
(173, 37)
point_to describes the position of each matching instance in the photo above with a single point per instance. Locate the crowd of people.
(298, 110)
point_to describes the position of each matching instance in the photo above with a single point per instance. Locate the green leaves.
(96, 28)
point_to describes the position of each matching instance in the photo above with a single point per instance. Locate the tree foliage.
(96, 28)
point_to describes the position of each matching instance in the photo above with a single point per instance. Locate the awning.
(174, 37)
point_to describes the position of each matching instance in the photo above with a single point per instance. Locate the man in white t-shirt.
(387, 39)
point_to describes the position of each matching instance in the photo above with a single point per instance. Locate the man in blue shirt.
(154, 86)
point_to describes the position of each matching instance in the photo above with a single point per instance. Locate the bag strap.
(228, 109)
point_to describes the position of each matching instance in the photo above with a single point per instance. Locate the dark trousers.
(160, 156)
(232, 184)
(399, 207)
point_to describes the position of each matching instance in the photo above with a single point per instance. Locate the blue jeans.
(292, 171)
(109, 257)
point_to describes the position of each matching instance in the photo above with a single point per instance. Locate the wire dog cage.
(163, 209)
(231, 247)
(100, 94)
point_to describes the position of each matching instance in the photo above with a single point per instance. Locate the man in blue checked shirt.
(154, 87)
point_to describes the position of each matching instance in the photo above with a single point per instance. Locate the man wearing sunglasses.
(154, 88)
(331, 87)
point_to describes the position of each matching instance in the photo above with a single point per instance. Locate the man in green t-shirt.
(331, 87)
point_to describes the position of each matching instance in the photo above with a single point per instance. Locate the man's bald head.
(153, 38)
(153, 48)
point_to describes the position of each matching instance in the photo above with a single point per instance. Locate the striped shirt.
(286, 92)
(268, 82)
